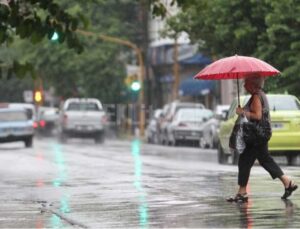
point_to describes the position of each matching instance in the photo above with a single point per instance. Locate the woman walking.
(254, 110)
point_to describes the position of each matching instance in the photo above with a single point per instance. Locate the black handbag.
(258, 132)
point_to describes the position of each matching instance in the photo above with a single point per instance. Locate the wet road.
(127, 184)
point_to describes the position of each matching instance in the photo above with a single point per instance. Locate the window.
(194, 114)
(83, 107)
(11, 116)
(283, 103)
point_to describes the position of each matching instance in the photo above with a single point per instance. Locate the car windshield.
(10, 116)
(83, 107)
(157, 113)
(284, 103)
(182, 106)
(194, 114)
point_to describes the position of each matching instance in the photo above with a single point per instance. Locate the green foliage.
(37, 19)
(159, 8)
(99, 70)
(267, 29)
(34, 20)
(11, 89)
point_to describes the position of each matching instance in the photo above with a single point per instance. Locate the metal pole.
(175, 70)
(140, 63)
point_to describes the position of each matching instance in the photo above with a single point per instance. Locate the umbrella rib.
(256, 67)
(236, 67)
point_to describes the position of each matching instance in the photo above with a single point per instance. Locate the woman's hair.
(256, 80)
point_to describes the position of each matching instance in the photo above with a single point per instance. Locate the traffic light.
(133, 83)
(54, 36)
(129, 79)
(135, 86)
(38, 96)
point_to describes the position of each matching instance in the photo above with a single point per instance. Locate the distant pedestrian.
(254, 111)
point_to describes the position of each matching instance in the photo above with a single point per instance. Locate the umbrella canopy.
(236, 67)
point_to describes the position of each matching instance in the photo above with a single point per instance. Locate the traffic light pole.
(140, 63)
(175, 70)
(38, 95)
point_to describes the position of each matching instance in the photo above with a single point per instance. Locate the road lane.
(129, 184)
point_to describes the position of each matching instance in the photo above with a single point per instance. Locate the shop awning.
(198, 59)
(166, 78)
(191, 87)
(187, 55)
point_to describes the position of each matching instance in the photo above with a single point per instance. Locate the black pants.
(247, 159)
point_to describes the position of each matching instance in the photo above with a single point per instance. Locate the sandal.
(289, 190)
(239, 198)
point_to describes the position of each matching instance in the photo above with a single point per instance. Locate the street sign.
(132, 70)
(28, 96)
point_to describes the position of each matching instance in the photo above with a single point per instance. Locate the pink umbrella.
(236, 67)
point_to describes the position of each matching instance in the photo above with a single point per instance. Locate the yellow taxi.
(285, 120)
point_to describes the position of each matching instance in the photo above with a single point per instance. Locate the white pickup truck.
(83, 118)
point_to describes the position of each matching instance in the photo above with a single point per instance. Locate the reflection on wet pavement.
(40, 184)
(211, 210)
(56, 221)
(135, 185)
(60, 164)
(143, 211)
(180, 188)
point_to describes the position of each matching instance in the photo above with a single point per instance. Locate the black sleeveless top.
(265, 107)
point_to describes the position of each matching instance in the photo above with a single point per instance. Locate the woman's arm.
(255, 109)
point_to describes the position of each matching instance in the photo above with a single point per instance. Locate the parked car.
(15, 125)
(152, 128)
(187, 125)
(47, 120)
(83, 118)
(210, 137)
(210, 127)
(170, 114)
(285, 121)
(29, 108)
(162, 121)
(220, 111)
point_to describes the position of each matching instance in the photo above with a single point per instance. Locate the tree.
(281, 46)
(12, 90)
(100, 69)
(266, 29)
(34, 20)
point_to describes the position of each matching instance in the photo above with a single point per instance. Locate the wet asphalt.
(130, 184)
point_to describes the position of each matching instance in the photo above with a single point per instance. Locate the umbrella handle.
(238, 90)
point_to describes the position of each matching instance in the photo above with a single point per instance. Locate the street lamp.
(139, 56)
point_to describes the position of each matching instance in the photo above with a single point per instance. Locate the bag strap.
(265, 110)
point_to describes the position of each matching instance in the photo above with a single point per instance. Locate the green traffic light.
(54, 36)
(135, 86)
